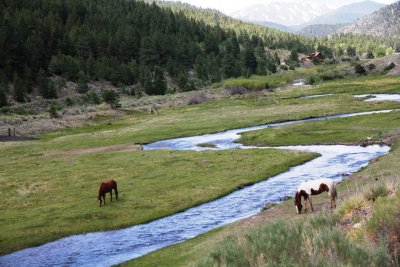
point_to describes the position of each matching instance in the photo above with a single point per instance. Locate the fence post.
(9, 131)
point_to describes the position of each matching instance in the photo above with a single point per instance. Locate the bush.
(111, 97)
(312, 79)
(360, 70)
(237, 90)
(53, 111)
(375, 191)
(197, 99)
(389, 67)
(371, 66)
(68, 101)
(91, 98)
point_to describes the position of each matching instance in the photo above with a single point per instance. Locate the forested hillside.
(140, 44)
(128, 42)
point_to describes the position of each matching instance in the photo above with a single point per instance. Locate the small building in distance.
(313, 55)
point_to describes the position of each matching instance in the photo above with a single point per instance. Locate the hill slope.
(346, 14)
(320, 30)
(384, 22)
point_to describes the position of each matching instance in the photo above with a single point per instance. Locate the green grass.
(48, 197)
(356, 129)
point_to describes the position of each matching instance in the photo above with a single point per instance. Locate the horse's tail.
(334, 191)
(115, 190)
(100, 191)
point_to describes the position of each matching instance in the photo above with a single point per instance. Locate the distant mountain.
(282, 13)
(345, 14)
(384, 22)
(277, 26)
(321, 30)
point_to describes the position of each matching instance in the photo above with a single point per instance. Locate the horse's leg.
(305, 205)
(104, 198)
(116, 192)
(312, 208)
(334, 201)
(111, 196)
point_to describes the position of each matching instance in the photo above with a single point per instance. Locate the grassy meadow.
(48, 197)
(48, 186)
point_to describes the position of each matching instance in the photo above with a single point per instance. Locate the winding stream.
(113, 247)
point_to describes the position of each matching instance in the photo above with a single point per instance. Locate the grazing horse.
(315, 187)
(107, 187)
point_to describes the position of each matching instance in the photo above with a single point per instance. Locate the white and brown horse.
(315, 187)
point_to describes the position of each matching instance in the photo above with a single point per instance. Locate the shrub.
(350, 205)
(375, 191)
(371, 66)
(111, 97)
(316, 61)
(237, 90)
(68, 101)
(389, 67)
(312, 79)
(360, 70)
(197, 99)
(53, 111)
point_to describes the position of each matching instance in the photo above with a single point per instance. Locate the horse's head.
(297, 202)
(99, 200)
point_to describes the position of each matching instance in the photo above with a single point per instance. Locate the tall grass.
(384, 225)
(315, 242)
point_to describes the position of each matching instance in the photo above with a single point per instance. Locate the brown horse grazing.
(107, 187)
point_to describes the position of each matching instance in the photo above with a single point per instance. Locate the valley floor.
(50, 189)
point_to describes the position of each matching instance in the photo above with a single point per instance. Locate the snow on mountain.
(283, 12)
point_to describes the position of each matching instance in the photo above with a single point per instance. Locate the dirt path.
(122, 148)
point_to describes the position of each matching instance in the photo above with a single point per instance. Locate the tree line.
(125, 42)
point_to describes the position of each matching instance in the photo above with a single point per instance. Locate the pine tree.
(82, 83)
(111, 97)
(160, 85)
(3, 96)
(19, 88)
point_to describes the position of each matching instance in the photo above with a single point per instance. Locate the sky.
(230, 6)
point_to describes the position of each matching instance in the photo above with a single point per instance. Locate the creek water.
(381, 97)
(113, 247)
